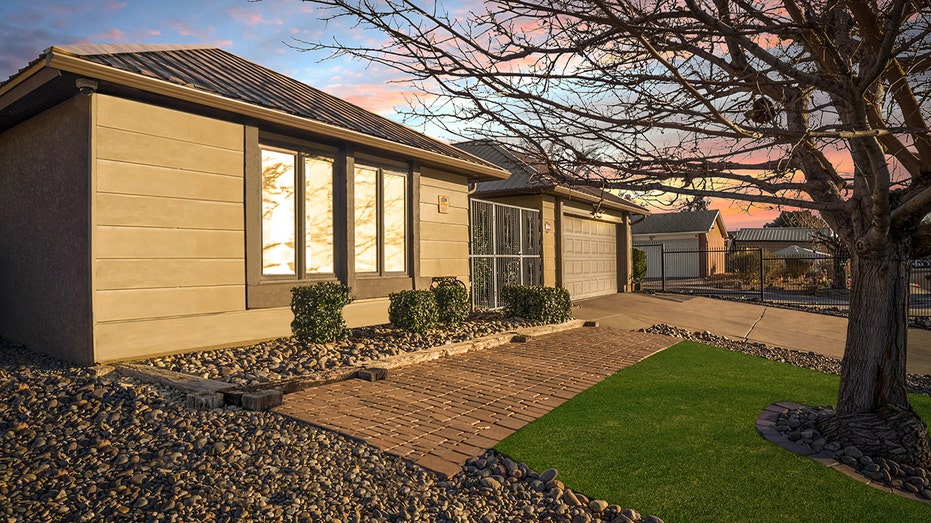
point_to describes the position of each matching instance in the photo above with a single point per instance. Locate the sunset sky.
(258, 31)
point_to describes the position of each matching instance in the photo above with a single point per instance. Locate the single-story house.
(158, 199)
(531, 229)
(695, 243)
(773, 239)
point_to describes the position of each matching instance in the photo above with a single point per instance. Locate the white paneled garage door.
(589, 257)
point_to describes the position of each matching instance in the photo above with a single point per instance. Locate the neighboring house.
(698, 238)
(775, 239)
(529, 229)
(158, 199)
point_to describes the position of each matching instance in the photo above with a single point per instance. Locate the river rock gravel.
(285, 358)
(78, 446)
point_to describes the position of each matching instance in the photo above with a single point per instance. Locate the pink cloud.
(114, 35)
(372, 97)
(185, 29)
(250, 17)
(113, 5)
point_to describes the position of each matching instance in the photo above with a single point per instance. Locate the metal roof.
(777, 234)
(212, 70)
(526, 177)
(677, 223)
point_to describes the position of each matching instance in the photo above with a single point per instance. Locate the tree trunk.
(873, 412)
(839, 274)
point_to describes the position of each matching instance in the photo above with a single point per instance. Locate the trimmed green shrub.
(318, 312)
(452, 300)
(536, 303)
(640, 264)
(415, 311)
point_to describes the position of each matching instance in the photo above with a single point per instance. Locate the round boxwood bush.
(318, 312)
(415, 310)
(452, 300)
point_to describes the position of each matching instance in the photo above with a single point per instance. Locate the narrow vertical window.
(278, 223)
(318, 213)
(366, 215)
(395, 221)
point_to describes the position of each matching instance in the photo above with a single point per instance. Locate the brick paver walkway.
(441, 413)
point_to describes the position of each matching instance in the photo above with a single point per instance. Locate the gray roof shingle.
(676, 222)
(525, 176)
(220, 72)
(777, 234)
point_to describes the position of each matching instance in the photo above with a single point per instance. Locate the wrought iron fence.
(817, 281)
(505, 249)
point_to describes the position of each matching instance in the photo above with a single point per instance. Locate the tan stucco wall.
(169, 235)
(444, 237)
(45, 299)
(169, 270)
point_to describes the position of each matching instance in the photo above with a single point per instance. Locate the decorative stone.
(548, 475)
(373, 374)
(261, 400)
(204, 400)
(598, 505)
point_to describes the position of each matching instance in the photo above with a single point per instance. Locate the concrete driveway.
(804, 331)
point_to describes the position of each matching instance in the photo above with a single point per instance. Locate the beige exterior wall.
(45, 295)
(169, 260)
(444, 238)
(169, 254)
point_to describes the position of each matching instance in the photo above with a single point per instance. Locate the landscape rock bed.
(800, 426)
(78, 446)
(916, 383)
(285, 358)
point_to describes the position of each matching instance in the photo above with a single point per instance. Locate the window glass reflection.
(278, 213)
(366, 219)
(318, 215)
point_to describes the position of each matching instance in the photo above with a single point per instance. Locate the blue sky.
(260, 31)
(257, 31)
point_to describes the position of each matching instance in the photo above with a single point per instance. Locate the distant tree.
(731, 99)
(695, 203)
(802, 218)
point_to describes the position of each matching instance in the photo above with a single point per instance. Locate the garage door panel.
(590, 261)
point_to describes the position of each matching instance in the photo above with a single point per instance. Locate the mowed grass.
(675, 436)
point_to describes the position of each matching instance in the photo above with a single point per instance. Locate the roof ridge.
(101, 49)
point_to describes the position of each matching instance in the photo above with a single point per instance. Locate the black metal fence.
(812, 280)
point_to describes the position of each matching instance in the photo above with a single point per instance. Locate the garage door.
(589, 257)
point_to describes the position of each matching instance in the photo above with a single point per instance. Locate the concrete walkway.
(442, 413)
(804, 331)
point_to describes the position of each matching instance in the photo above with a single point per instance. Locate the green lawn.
(675, 436)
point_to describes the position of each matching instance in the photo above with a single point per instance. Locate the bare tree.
(803, 218)
(694, 203)
(755, 101)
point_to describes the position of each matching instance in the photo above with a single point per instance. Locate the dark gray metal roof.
(216, 71)
(676, 222)
(777, 234)
(526, 177)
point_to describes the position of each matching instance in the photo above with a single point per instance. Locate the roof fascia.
(632, 207)
(28, 82)
(80, 66)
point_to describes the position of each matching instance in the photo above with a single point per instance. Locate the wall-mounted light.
(86, 86)
(596, 210)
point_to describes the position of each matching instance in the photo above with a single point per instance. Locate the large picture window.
(297, 214)
(380, 220)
